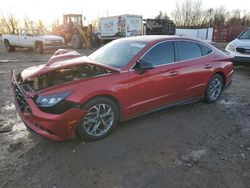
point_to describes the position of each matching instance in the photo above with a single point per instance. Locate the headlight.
(230, 47)
(51, 100)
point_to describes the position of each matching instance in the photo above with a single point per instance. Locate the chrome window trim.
(184, 40)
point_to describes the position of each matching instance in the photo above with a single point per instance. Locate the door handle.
(173, 73)
(208, 66)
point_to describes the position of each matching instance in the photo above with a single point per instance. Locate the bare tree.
(40, 25)
(207, 17)
(162, 15)
(10, 23)
(2, 26)
(245, 20)
(234, 17)
(95, 25)
(219, 16)
(28, 23)
(188, 13)
(55, 26)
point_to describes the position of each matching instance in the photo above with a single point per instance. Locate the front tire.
(214, 88)
(101, 118)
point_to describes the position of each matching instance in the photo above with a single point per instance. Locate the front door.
(157, 87)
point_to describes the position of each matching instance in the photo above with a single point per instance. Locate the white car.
(239, 48)
(33, 38)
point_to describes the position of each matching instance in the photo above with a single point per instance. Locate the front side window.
(38, 32)
(161, 54)
(245, 35)
(29, 33)
(188, 50)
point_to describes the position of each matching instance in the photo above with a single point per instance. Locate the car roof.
(156, 38)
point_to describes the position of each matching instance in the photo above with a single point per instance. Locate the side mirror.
(142, 66)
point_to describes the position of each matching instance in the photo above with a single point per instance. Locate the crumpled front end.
(57, 126)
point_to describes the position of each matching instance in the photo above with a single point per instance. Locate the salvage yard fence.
(204, 34)
(217, 34)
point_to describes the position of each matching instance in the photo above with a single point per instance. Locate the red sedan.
(87, 96)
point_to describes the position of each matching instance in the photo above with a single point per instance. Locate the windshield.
(245, 35)
(117, 53)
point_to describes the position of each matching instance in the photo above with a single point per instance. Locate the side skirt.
(178, 103)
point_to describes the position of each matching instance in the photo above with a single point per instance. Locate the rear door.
(196, 67)
(159, 86)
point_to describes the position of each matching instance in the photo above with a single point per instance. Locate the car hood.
(49, 67)
(241, 43)
(50, 37)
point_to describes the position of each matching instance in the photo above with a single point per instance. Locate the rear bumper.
(57, 127)
(229, 78)
(238, 60)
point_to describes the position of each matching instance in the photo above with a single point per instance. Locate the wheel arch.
(38, 42)
(208, 99)
(8, 46)
(221, 73)
(6, 40)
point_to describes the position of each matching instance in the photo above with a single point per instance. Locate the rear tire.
(8, 47)
(101, 118)
(39, 48)
(214, 88)
(76, 41)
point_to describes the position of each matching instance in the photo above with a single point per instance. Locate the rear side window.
(206, 50)
(188, 50)
(161, 54)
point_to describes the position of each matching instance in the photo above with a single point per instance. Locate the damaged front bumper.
(57, 127)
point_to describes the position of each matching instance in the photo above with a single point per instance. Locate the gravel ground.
(193, 146)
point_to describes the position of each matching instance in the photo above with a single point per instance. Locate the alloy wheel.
(215, 89)
(99, 119)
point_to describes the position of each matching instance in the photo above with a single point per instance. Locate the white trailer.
(121, 26)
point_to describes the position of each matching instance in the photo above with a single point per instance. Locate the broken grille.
(22, 103)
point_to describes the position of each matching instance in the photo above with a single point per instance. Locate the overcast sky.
(50, 10)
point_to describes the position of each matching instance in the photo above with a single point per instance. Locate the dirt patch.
(195, 145)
